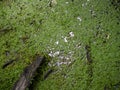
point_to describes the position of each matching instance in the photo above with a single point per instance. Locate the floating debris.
(57, 42)
(65, 39)
(56, 53)
(71, 34)
(79, 18)
(63, 63)
(51, 54)
(67, 2)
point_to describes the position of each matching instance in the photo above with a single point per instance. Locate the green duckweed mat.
(81, 37)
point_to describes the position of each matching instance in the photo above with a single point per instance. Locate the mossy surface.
(30, 27)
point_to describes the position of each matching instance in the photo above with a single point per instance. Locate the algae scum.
(80, 37)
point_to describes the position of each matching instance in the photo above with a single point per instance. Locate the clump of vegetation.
(81, 38)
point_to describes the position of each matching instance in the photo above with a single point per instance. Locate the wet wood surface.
(28, 73)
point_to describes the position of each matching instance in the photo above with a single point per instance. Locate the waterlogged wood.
(7, 63)
(28, 74)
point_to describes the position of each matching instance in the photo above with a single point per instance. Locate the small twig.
(88, 54)
(48, 73)
(7, 63)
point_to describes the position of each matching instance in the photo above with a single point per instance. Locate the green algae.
(34, 29)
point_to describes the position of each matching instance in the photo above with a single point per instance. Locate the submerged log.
(28, 74)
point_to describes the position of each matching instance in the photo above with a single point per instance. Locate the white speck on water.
(71, 34)
(67, 58)
(66, 2)
(61, 63)
(70, 52)
(65, 39)
(88, 0)
(57, 42)
(83, 5)
(69, 62)
(56, 53)
(51, 54)
(79, 18)
(108, 36)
